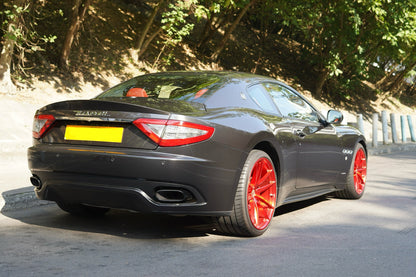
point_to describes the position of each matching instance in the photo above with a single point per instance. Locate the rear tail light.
(173, 132)
(41, 124)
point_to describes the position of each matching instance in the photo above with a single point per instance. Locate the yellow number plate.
(94, 133)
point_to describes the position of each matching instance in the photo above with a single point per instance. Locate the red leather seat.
(136, 92)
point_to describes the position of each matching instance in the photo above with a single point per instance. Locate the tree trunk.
(78, 14)
(229, 31)
(383, 83)
(141, 38)
(398, 81)
(322, 77)
(6, 84)
(211, 27)
(141, 43)
(205, 33)
(147, 42)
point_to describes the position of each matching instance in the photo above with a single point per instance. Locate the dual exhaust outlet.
(166, 195)
(173, 195)
(36, 182)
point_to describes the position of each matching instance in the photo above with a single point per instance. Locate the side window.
(290, 104)
(260, 97)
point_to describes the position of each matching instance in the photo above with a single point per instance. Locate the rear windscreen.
(186, 87)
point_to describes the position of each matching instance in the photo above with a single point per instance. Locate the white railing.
(388, 128)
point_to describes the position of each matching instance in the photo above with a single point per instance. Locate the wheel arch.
(364, 144)
(267, 147)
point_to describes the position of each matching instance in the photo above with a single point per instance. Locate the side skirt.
(308, 195)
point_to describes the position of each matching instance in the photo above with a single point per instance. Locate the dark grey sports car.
(229, 145)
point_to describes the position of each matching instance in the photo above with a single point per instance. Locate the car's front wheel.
(255, 199)
(357, 177)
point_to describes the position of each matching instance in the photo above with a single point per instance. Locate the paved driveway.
(374, 236)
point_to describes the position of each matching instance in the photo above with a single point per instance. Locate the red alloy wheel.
(360, 171)
(261, 193)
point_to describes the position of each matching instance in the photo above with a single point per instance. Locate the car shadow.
(288, 208)
(131, 224)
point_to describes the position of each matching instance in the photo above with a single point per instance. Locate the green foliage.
(13, 27)
(343, 42)
(8, 25)
(222, 8)
(19, 23)
(345, 38)
(175, 22)
(216, 7)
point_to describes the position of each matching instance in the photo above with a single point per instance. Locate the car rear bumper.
(139, 180)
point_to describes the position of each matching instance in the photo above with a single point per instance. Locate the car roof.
(231, 86)
(220, 74)
(227, 91)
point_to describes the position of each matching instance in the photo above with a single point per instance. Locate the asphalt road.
(374, 236)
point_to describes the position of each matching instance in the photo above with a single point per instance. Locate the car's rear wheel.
(357, 177)
(82, 210)
(255, 199)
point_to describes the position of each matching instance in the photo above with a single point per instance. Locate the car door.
(282, 130)
(318, 145)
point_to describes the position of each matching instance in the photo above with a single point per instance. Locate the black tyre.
(357, 176)
(82, 210)
(255, 199)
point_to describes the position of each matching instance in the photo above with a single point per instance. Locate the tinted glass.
(290, 104)
(260, 97)
(169, 86)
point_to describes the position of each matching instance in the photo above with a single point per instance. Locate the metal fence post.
(360, 123)
(393, 128)
(403, 126)
(412, 131)
(375, 129)
(384, 126)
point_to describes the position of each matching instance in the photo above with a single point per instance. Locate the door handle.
(300, 133)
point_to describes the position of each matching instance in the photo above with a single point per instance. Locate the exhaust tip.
(36, 182)
(173, 195)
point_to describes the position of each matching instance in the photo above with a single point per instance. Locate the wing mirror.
(334, 117)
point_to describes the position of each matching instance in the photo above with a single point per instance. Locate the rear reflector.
(173, 132)
(41, 124)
